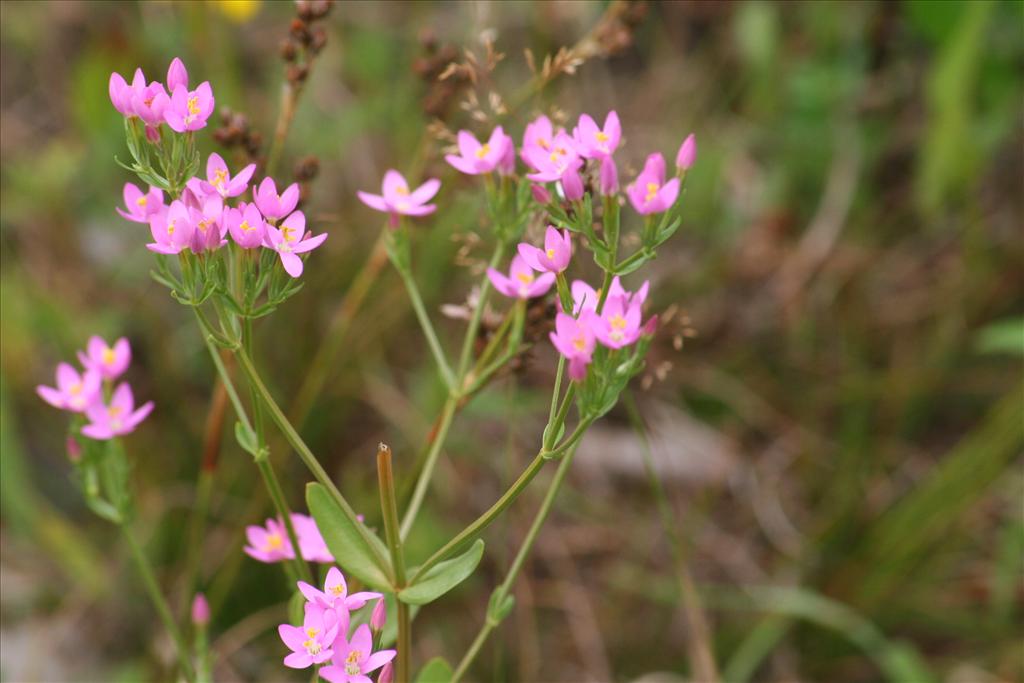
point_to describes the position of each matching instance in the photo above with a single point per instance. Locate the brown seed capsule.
(300, 31)
(288, 50)
(306, 168)
(319, 39)
(304, 8)
(297, 73)
(320, 8)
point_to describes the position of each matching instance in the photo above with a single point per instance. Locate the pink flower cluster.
(110, 411)
(201, 220)
(555, 155)
(324, 634)
(271, 543)
(176, 105)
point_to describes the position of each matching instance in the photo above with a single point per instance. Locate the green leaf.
(437, 670)
(296, 608)
(443, 577)
(246, 439)
(1001, 336)
(345, 541)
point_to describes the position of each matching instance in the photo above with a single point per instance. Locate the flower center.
(601, 136)
(403, 191)
(273, 542)
(170, 228)
(204, 224)
(114, 411)
(352, 663)
(141, 201)
(550, 253)
(245, 227)
(543, 143)
(618, 322)
(311, 632)
(288, 233)
(75, 389)
(193, 105)
(483, 151)
(579, 343)
(312, 646)
(336, 590)
(220, 176)
(109, 356)
(652, 190)
(525, 278)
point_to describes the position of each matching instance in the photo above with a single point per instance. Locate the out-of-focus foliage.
(841, 440)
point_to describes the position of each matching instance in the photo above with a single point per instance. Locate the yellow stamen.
(337, 589)
(550, 253)
(245, 227)
(601, 136)
(579, 343)
(193, 105)
(273, 542)
(543, 143)
(404, 191)
(75, 389)
(311, 632)
(618, 322)
(220, 176)
(114, 411)
(109, 356)
(483, 151)
(525, 278)
(288, 233)
(170, 228)
(141, 201)
(652, 190)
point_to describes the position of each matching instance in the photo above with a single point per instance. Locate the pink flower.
(176, 75)
(141, 207)
(687, 153)
(585, 297)
(149, 101)
(207, 225)
(354, 659)
(553, 164)
(335, 593)
(288, 242)
(379, 616)
(311, 542)
(574, 339)
(554, 257)
(619, 324)
(108, 361)
(311, 643)
(189, 109)
(572, 185)
(609, 177)
(537, 138)
(395, 197)
(171, 229)
(269, 544)
(74, 392)
(246, 225)
(121, 93)
(116, 419)
(522, 282)
(649, 193)
(387, 674)
(474, 158)
(272, 205)
(200, 610)
(219, 180)
(597, 143)
(540, 194)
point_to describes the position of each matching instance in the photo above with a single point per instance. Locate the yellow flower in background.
(238, 10)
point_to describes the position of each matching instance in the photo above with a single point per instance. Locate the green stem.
(423, 481)
(306, 455)
(163, 610)
(389, 511)
(428, 329)
(474, 321)
(517, 564)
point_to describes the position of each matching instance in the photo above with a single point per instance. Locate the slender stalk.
(389, 511)
(423, 481)
(306, 455)
(163, 610)
(700, 653)
(474, 321)
(428, 329)
(517, 564)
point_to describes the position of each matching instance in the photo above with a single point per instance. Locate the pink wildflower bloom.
(270, 543)
(354, 659)
(246, 225)
(74, 392)
(272, 205)
(220, 181)
(141, 207)
(649, 193)
(171, 229)
(288, 242)
(189, 109)
(609, 179)
(619, 324)
(522, 282)
(121, 92)
(396, 198)
(598, 143)
(574, 338)
(474, 158)
(108, 361)
(176, 75)
(311, 643)
(553, 164)
(539, 135)
(554, 257)
(687, 153)
(149, 101)
(116, 419)
(311, 542)
(207, 225)
(335, 593)
(572, 185)
(200, 610)
(585, 297)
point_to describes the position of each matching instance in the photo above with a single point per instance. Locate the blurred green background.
(840, 434)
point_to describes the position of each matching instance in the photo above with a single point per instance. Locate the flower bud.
(387, 674)
(379, 615)
(687, 153)
(650, 327)
(74, 449)
(541, 194)
(609, 177)
(572, 185)
(200, 610)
